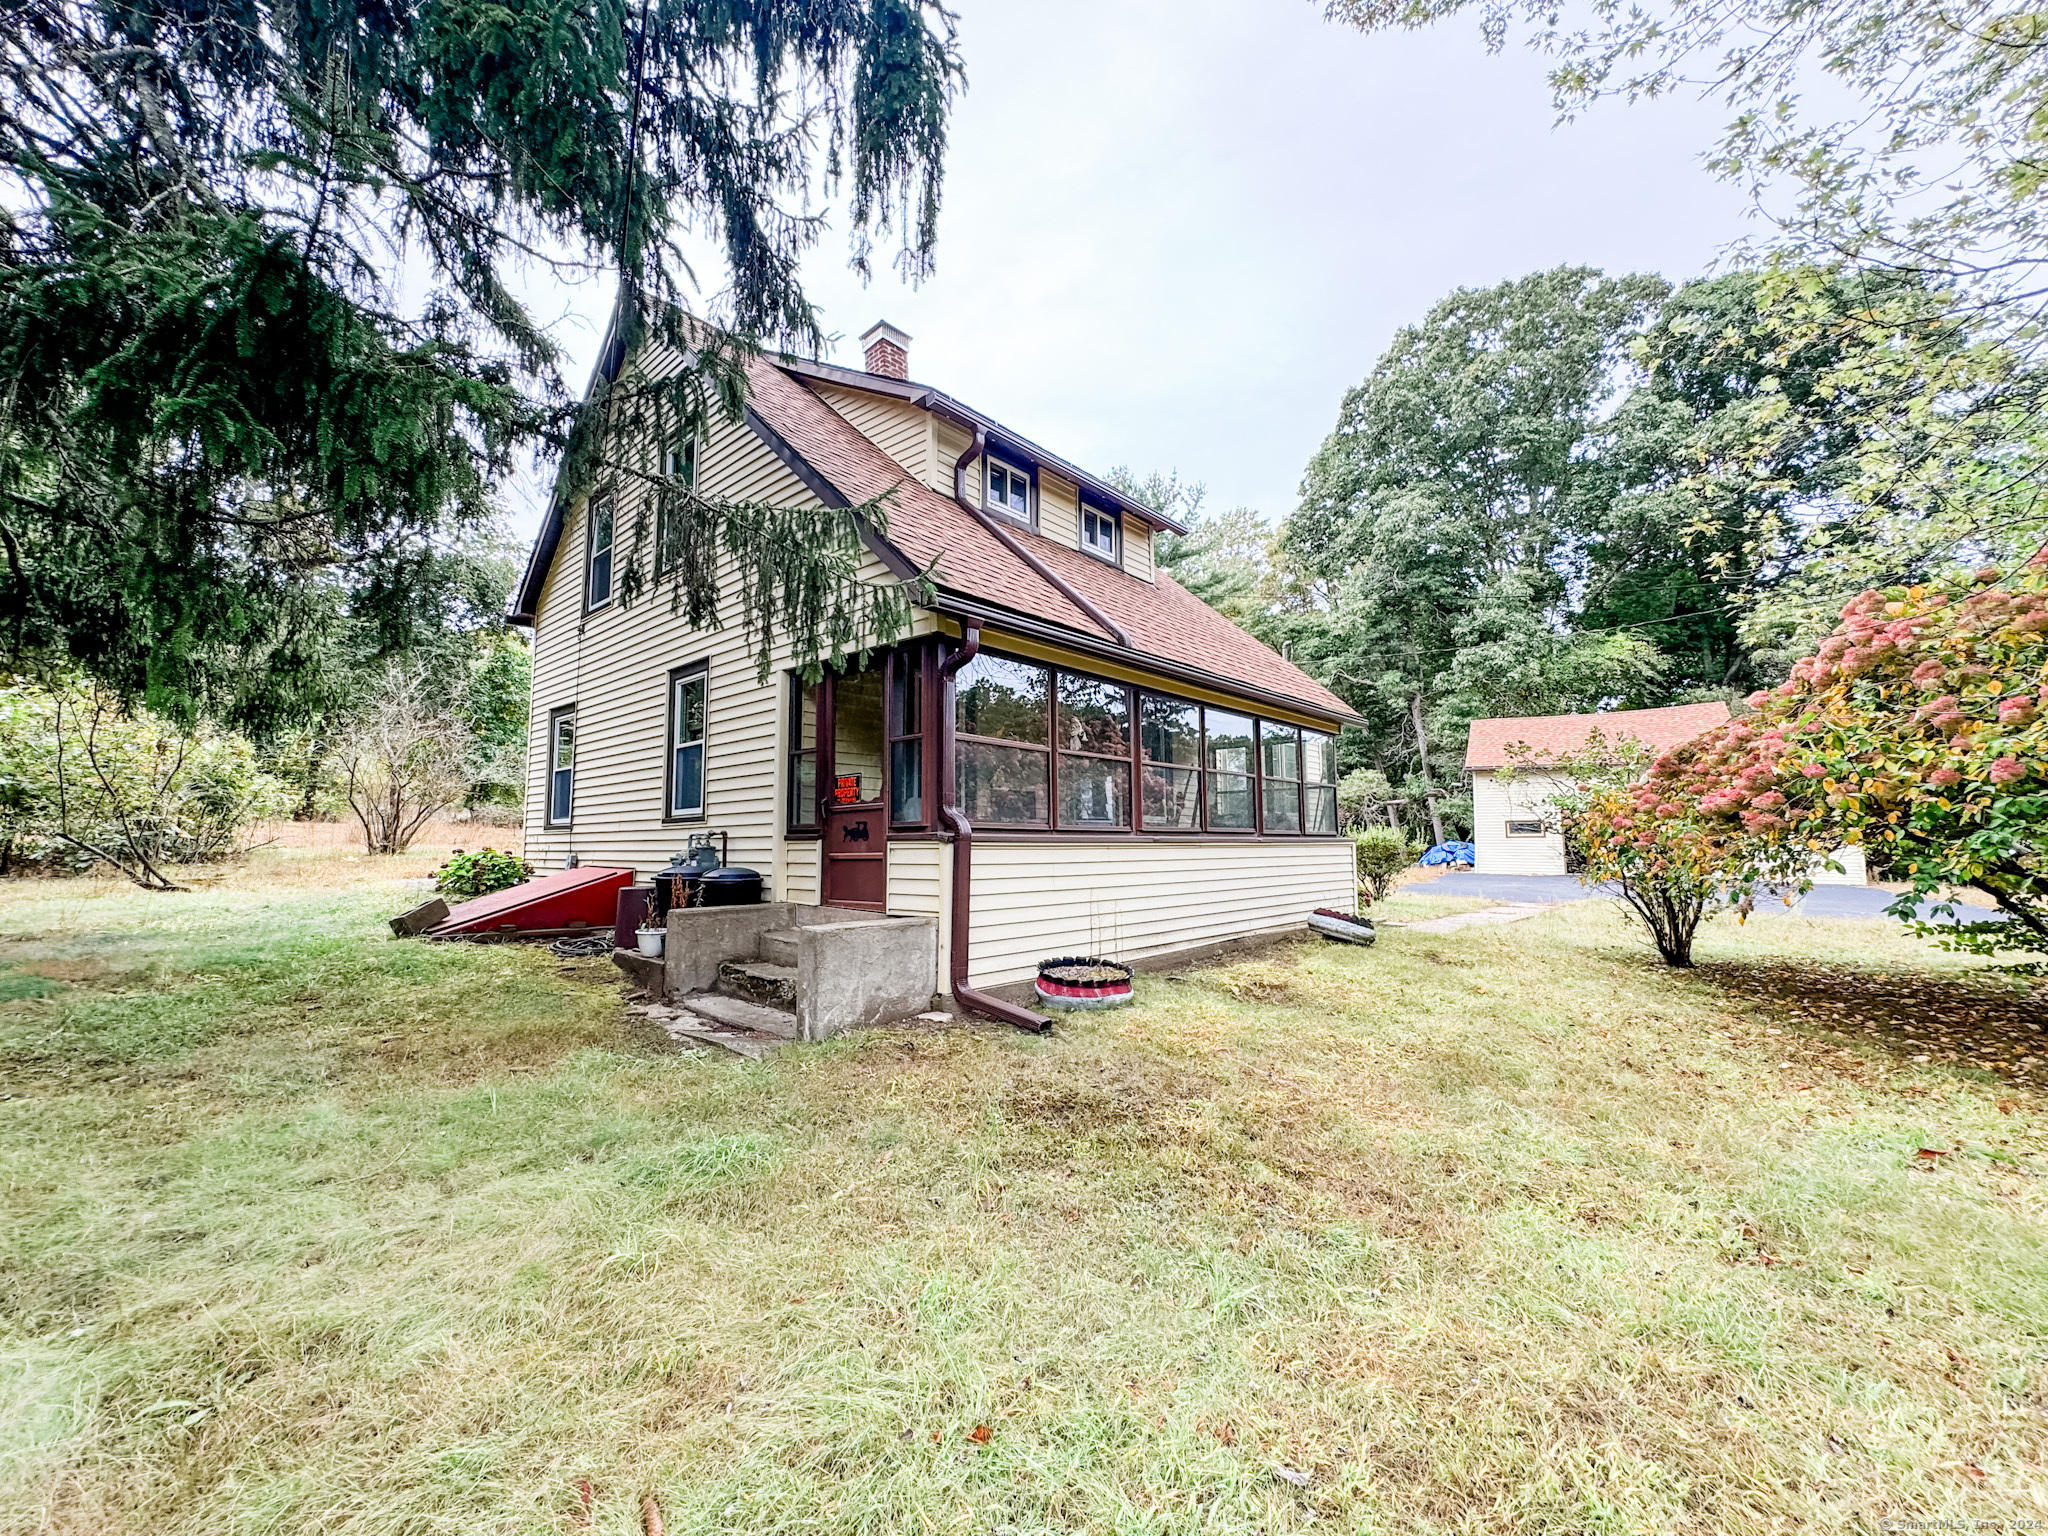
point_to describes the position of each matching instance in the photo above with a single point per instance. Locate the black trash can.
(725, 887)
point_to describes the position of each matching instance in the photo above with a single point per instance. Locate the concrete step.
(759, 981)
(778, 947)
(741, 1042)
(738, 1013)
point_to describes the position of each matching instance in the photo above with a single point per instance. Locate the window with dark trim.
(688, 701)
(1280, 770)
(679, 465)
(1232, 763)
(1318, 783)
(803, 755)
(1170, 762)
(1002, 758)
(1006, 489)
(597, 586)
(1101, 533)
(561, 765)
(905, 717)
(1093, 720)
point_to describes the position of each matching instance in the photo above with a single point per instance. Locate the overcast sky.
(1175, 231)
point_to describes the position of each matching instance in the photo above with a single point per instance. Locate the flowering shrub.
(1919, 729)
(1644, 839)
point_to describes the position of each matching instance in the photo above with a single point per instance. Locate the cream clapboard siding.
(1037, 899)
(898, 428)
(800, 871)
(950, 442)
(1059, 510)
(918, 878)
(614, 668)
(1138, 551)
(1494, 804)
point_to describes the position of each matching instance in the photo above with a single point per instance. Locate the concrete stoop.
(783, 971)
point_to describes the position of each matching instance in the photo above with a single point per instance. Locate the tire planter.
(1078, 981)
(1345, 927)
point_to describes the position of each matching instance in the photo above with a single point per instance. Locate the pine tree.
(260, 364)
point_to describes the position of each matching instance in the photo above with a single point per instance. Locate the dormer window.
(1101, 533)
(1009, 490)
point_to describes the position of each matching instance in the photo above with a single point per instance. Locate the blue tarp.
(1452, 853)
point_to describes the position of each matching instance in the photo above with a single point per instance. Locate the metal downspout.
(963, 856)
(1002, 536)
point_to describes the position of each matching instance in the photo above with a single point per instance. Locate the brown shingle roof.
(1550, 736)
(1163, 619)
(924, 525)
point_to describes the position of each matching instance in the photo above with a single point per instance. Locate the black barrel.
(724, 887)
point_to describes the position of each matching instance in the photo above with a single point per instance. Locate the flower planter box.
(1078, 981)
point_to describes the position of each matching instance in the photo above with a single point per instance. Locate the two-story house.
(1067, 754)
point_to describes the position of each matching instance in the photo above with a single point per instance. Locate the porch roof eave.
(1145, 668)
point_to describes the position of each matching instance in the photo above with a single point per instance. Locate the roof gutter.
(962, 831)
(975, 449)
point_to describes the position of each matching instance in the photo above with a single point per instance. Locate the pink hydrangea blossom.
(1945, 778)
(2008, 770)
(1814, 771)
(1929, 674)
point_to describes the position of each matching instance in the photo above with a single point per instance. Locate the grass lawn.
(310, 1230)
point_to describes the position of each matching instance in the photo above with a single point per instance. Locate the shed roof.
(1553, 736)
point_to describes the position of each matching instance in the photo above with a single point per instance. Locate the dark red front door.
(857, 857)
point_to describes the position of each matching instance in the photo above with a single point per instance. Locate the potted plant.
(651, 940)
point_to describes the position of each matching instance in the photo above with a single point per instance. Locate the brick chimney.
(888, 350)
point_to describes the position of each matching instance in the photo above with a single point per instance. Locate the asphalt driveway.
(1832, 901)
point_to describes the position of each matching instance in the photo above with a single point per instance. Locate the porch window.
(1233, 771)
(1280, 747)
(1002, 756)
(599, 586)
(687, 692)
(906, 738)
(1318, 783)
(803, 755)
(1095, 753)
(1170, 749)
(561, 766)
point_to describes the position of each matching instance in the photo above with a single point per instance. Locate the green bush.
(469, 875)
(1382, 854)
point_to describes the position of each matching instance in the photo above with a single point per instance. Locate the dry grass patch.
(1502, 1230)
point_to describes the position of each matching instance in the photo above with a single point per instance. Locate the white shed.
(1512, 831)
(1510, 820)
